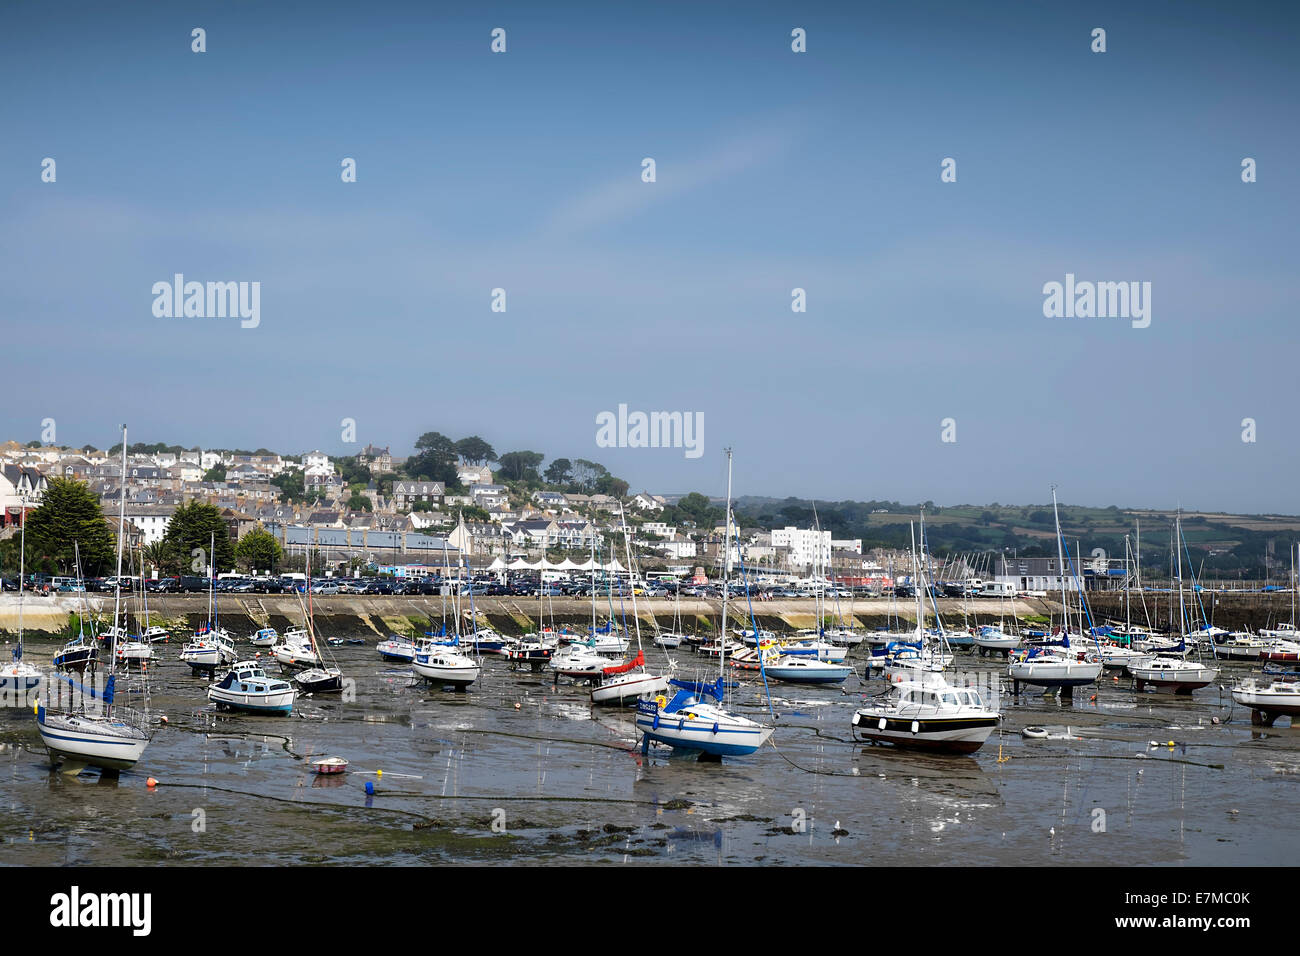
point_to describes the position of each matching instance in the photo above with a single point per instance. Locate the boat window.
(976, 700)
(950, 698)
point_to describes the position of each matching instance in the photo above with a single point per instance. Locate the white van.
(998, 589)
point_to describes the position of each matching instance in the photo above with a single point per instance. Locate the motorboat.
(156, 634)
(578, 660)
(1173, 673)
(806, 670)
(1268, 697)
(247, 687)
(397, 648)
(1281, 650)
(1240, 646)
(264, 637)
(929, 714)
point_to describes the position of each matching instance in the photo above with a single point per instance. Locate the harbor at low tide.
(519, 769)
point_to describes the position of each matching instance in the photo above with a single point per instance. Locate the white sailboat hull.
(458, 674)
(95, 741)
(625, 688)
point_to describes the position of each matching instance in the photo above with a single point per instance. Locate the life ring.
(661, 700)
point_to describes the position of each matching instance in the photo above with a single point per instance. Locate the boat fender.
(916, 726)
(883, 723)
(681, 723)
(715, 726)
(655, 726)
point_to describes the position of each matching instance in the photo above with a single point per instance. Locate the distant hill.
(1221, 545)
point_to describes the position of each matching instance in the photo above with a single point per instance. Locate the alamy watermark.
(212, 300)
(1101, 300)
(651, 430)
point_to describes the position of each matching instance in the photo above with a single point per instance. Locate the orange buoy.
(151, 783)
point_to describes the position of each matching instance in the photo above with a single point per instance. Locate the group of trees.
(70, 522)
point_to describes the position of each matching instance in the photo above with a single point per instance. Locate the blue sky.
(775, 170)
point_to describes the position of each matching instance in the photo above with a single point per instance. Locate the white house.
(316, 459)
(474, 475)
(807, 547)
(644, 501)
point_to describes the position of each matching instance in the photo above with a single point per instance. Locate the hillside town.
(402, 526)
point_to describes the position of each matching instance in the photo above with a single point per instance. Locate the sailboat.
(695, 719)
(20, 681)
(134, 649)
(1061, 668)
(673, 638)
(80, 652)
(317, 676)
(111, 736)
(626, 682)
(1172, 673)
(211, 644)
(443, 663)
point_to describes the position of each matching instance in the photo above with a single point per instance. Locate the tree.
(614, 487)
(291, 484)
(258, 550)
(475, 450)
(192, 529)
(435, 459)
(159, 556)
(216, 473)
(558, 471)
(70, 512)
(698, 508)
(586, 473)
(359, 502)
(352, 472)
(520, 465)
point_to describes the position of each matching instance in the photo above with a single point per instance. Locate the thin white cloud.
(625, 196)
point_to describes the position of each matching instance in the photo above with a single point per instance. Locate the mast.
(1178, 533)
(121, 533)
(726, 584)
(1060, 563)
(22, 567)
(627, 550)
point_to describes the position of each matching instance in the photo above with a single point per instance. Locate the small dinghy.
(1034, 733)
(329, 765)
